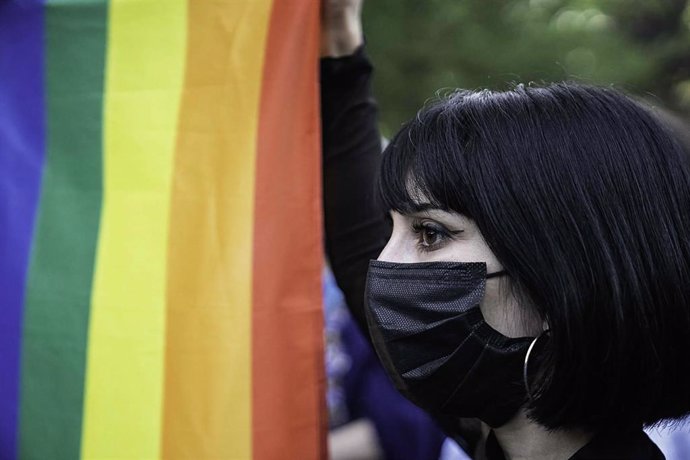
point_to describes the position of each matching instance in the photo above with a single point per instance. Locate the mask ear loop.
(526, 365)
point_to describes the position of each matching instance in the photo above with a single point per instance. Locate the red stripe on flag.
(288, 402)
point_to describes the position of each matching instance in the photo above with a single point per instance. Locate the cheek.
(472, 250)
(502, 312)
(465, 252)
(497, 311)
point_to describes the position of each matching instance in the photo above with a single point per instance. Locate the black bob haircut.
(584, 196)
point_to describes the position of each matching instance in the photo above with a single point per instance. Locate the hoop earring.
(525, 367)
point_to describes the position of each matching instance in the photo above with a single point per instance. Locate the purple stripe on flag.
(22, 151)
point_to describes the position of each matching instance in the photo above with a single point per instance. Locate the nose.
(396, 250)
(387, 253)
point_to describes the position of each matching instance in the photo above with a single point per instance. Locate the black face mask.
(428, 330)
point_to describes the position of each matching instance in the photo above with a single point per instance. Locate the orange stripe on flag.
(287, 340)
(207, 399)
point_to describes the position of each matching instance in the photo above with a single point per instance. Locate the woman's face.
(434, 235)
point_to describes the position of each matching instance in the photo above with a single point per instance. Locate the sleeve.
(356, 227)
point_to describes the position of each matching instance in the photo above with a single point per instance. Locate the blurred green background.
(421, 46)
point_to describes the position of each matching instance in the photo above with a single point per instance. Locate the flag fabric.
(160, 230)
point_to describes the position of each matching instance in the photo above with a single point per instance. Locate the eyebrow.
(421, 207)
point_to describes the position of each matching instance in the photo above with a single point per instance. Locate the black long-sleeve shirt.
(356, 228)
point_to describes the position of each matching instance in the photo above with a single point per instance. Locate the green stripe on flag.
(59, 286)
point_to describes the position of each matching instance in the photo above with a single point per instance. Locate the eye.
(431, 235)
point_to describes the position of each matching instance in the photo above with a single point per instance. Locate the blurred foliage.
(421, 46)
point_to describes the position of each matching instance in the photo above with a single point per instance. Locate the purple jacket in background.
(359, 388)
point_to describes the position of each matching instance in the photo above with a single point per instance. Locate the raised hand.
(341, 27)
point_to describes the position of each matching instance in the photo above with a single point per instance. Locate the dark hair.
(584, 197)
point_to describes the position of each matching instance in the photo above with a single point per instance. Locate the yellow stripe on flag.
(208, 389)
(124, 381)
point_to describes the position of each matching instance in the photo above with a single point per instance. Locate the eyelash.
(420, 228)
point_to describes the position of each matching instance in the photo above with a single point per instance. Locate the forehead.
(408, 183)
(418, 200)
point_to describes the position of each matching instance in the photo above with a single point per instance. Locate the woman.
(550, 218)
(536, 276)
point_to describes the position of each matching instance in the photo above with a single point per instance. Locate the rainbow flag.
(160, 230)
